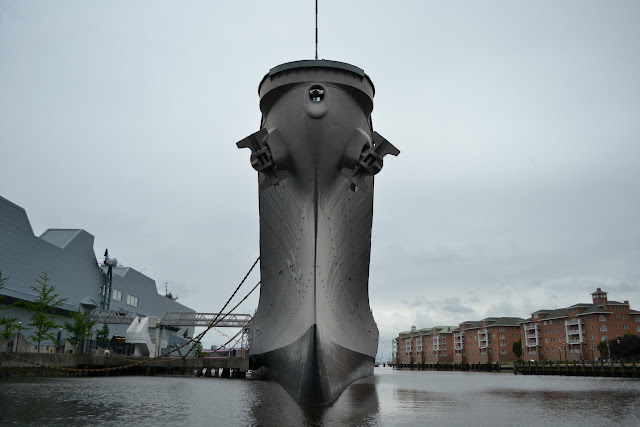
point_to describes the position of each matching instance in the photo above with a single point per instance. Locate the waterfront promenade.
(573, 368)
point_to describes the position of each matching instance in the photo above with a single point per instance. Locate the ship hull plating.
(316, 152)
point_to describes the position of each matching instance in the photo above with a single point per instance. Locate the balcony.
(578, 321)
(576, 341)
(531, 327)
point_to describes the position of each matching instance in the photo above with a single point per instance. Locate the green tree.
(604, 350)
(80, 327)
(102, 336)
(626, 347)
(516, 348)
(199, 352)
(7, 327)
(43, 308)
(186, 333)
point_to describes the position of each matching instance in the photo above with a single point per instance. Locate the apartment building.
(573, 333)
(425, 346)
(489, 340)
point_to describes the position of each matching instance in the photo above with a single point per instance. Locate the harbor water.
(388, 398)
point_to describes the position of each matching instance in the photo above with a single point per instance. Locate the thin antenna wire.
(316, 30)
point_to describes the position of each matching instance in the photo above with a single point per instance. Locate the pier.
(61, 364)
(575, 368)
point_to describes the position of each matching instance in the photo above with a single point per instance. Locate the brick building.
(490, 340)
(573, 333)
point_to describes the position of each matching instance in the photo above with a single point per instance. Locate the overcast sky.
(518, 185)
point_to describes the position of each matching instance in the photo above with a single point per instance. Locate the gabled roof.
(443, 329)
(507, 321)
(474, 325)
(594, 308)
(556, 314)
(580, 304)
(543, 311)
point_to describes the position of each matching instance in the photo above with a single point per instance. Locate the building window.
(604, 338)
(591, 336)
(503, 351)
(624, 326)
(545, 323)
(590, 317)
(116, 295)
(590, 326)
(560, 339)
(593, 346)
(602, 319)
(624, 317)
(132, 300)
(637, 328)
(603, 328)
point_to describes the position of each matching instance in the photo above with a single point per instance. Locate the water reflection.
(388, 398)
(358, 405)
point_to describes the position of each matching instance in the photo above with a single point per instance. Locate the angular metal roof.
(59, 237)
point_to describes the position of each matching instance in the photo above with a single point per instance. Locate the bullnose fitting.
(316, 101)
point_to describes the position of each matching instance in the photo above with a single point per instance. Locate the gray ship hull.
(316, 152)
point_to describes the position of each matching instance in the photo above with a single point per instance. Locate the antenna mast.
(316, 30)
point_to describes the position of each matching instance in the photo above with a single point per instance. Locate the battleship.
(316, 154)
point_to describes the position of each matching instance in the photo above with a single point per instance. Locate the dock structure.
(138, 331)
(227, 320)
(99, 365)
(567, 368)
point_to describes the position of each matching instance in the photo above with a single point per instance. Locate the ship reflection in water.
(387, 398)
